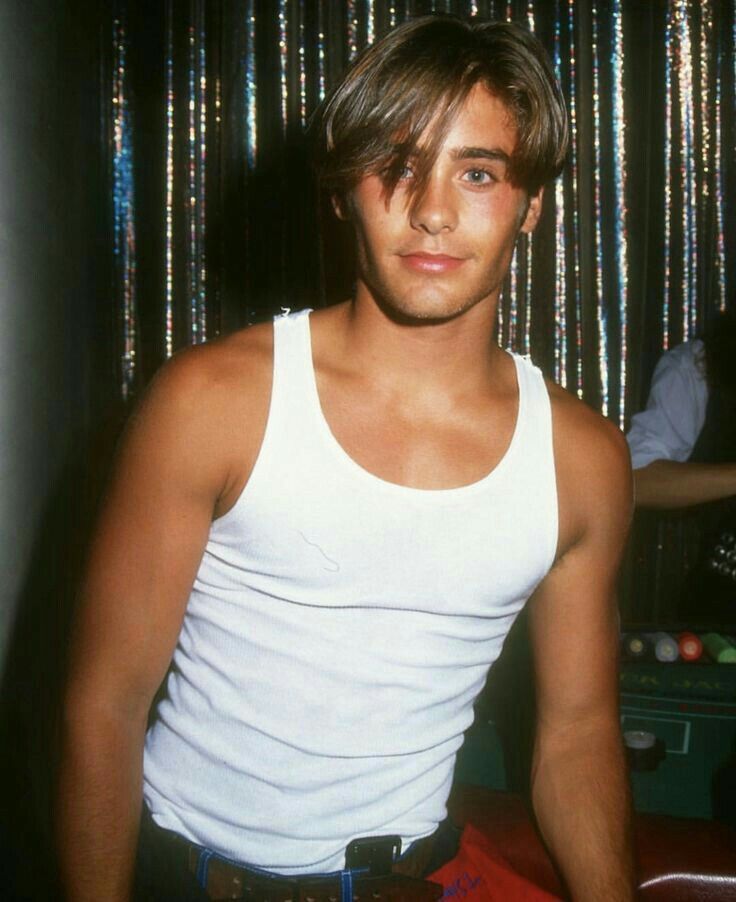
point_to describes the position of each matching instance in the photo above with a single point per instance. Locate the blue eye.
(479, 176)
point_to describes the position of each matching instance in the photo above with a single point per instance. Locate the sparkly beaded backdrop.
(216, 221)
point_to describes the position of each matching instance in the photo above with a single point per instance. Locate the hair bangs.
(398, 121)
(396, 104)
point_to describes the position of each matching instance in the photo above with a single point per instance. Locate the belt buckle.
(373, 854)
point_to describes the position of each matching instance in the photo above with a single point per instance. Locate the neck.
(454, 355)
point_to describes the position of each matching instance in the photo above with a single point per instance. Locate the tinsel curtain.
(216, 222)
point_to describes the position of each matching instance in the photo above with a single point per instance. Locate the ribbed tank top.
(338, 631)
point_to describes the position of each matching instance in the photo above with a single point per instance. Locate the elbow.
(92, 712)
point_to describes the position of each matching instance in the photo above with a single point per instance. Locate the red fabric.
(479, 873)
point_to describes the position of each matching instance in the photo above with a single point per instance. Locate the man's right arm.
(170, 473)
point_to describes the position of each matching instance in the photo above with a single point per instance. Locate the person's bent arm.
(580, 790)
(150, 539)
(667, 484)
(662, 437)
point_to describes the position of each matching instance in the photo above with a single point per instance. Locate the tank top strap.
(535, 414)
(291, 347)
(536, 439)
(292, 361)
(531, 375)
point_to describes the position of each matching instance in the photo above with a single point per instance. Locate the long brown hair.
(419, 74)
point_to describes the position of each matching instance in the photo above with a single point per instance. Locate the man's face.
(437, 255)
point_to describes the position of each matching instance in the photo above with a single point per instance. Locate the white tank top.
(338, 631)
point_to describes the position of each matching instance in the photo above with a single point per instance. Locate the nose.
(434, 210)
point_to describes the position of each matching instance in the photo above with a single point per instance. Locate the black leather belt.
(227, 881)
(375, 879)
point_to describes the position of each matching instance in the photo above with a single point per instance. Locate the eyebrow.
(481, 153)
(471, 153)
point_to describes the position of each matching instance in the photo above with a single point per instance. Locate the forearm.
(671, 484)
(581, 799)
(99, 805)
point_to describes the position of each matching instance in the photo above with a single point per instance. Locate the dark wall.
(53, 329)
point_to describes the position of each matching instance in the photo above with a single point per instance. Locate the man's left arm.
(580, 788)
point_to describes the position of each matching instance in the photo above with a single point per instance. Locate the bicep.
(573, 615)
(143, 560)
(573, 625)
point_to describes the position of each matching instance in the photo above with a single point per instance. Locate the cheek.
(368, 202)
(496, 218)
(375, 226)
(373, 237)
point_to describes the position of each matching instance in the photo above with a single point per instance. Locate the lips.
(431, 263)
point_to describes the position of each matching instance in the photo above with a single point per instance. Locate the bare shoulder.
(584, 437)
(593, 469)
(207, 407)
(231, 369)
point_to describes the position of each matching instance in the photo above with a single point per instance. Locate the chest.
(339, 539)
(431, 446)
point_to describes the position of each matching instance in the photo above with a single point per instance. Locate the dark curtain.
(217, 223)
(59, 383)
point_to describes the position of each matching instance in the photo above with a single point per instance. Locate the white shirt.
(338, 631)
(670, 425)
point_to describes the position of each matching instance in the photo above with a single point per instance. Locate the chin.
(408, 310)
(429, 316)
(423, 299)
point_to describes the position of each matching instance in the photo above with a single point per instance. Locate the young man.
(332, 522)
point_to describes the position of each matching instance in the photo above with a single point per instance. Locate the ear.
(533, 212)
(340, 207)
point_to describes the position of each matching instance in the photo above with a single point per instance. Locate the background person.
(683, 445)
(683, 452)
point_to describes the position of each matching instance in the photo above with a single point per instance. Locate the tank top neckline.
(349, 465)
